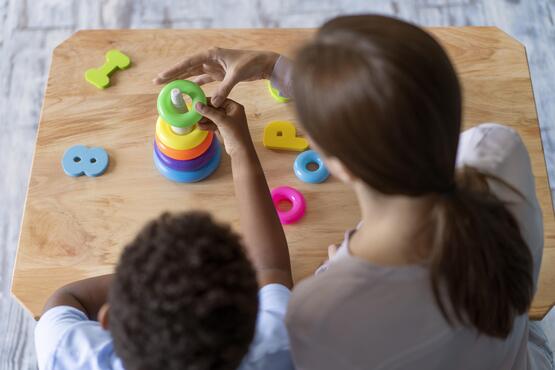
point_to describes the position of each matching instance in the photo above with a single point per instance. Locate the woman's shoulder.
(494, 149)
(351, 282)
(354, 302)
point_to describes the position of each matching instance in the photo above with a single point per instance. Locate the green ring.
(168, 112)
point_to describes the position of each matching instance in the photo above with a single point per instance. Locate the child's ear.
(103, 315)
(338, 169)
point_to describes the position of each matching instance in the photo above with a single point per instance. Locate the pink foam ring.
(298, 204)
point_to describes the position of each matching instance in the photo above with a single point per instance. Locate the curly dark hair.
(184, 296)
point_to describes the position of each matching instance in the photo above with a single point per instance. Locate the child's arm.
(264, 237)
(86, 295)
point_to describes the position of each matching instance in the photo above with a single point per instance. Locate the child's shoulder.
(270, 346)
(66, 339)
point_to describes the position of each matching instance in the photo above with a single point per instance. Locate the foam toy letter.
(100, 77)
(283, 135)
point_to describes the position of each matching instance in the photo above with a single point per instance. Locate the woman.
(441, 271)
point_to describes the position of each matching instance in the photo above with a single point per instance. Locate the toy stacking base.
(185, 158)
(180, 156)
(189, 175)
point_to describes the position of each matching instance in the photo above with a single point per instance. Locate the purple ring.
(191, 164)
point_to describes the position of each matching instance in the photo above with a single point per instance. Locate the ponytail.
(481, 267)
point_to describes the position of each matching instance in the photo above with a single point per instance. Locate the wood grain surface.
(76, 227)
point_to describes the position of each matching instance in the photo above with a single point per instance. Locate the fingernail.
(216, 101)
(199, 106)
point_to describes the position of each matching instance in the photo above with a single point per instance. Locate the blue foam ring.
(81, 160)
(189, 176)
(304, 174)
(189, 164)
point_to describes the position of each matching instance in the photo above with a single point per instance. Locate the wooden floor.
(30, 29)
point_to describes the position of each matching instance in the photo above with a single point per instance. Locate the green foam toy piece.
(276, 94)
(100, 77)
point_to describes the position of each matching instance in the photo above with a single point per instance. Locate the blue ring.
(304, 174)
(189, 176)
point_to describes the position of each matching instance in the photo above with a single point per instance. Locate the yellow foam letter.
(283, 135)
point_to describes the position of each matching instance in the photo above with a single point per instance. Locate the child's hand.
(231, 122)
(230, 66)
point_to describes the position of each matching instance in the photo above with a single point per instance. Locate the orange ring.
(183, 155)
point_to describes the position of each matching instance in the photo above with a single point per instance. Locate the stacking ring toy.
(188, 165)
(275, 94)
(304, 174)
(167, 110)
(298, 204)
(176, 141)
(183, 155)
(192, 176)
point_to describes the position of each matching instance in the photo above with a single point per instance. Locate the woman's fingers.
(223, 90)
(183, 67)
(193, 71)
(202, 79)
(216, 70)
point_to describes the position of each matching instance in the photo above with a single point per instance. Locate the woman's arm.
(86, 295)
(263, 234)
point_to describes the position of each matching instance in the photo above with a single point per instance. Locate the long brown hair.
(382, 96)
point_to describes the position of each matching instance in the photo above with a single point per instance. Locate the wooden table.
(75, 228)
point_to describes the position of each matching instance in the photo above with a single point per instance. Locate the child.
(441, 271)
(184, 294)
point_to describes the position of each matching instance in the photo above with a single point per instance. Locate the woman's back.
(357, 315)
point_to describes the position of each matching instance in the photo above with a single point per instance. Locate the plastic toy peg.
(283, 135)
(298, 204)
(276, 94)
(302, 171)
(81, 160)
(100, 77)
(170, 113)
(179, 104)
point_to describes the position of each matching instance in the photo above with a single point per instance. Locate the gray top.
(357, 315)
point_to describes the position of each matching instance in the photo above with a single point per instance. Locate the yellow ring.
(179, 142)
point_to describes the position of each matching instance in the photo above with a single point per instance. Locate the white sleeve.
(66, 339)
(50, 330)
(270, 347)
(281, 78)
(499, 151)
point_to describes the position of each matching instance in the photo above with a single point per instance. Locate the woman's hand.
(230, 121)
(230, 66)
